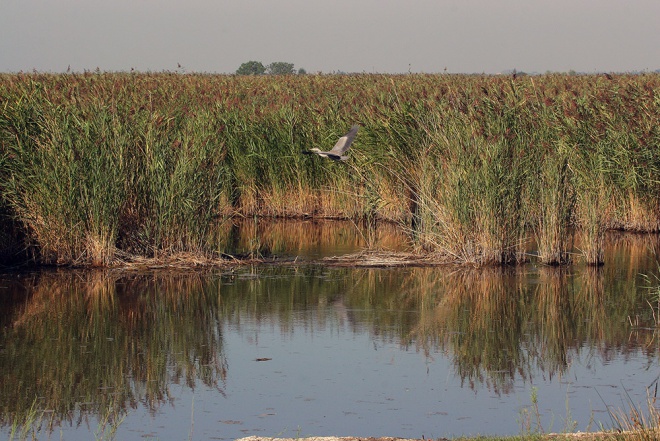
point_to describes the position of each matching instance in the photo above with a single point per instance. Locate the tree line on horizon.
(274, 68)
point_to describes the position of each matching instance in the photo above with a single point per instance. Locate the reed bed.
(479, 169)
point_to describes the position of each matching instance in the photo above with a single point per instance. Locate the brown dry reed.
(479, 169)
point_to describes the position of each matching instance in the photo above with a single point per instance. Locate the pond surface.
(308, 350)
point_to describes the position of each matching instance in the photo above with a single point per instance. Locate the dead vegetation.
(385, 259)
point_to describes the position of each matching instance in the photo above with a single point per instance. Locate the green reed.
(100, 166)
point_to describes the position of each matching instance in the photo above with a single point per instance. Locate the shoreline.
(583, 436)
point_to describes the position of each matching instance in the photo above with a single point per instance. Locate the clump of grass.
(97, 165)
(54, 186)
(592, 222)
(637, 422)
(530, 416)
(109, 423)
(469, 194)
(554, 232)
(552, 187)
(28, 425)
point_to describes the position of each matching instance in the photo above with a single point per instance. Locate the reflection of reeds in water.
(381, 300)
(569, 311)
(500, 324)
(298, 238)
(478, 319)
(113, 340)
(94, 343)
(552, 295)
(631, 254)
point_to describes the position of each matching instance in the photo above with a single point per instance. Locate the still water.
(308, 349)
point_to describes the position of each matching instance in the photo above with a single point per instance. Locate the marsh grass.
(28, 425)
(637, 421)
(556, 196)
(477, 168)
(35, 424)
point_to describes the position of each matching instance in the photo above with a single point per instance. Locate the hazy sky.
(386, 36)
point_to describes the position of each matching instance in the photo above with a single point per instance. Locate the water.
(308, 350)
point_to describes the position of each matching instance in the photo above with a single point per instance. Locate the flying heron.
(337, 152)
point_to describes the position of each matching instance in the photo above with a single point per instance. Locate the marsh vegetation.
(99, 167)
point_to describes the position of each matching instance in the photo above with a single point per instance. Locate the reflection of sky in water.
(339, 370)
(334, 382)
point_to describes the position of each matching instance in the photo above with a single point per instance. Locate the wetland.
(174, 267)
(307, 349)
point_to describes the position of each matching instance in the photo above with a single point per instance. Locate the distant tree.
(251, 68)
(280, 68)
(301, 71)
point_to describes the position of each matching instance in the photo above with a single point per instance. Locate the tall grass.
(96, 167)
(639, 422)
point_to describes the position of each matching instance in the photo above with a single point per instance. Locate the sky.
(372, 36)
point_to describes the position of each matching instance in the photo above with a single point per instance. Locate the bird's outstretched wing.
(345, 141)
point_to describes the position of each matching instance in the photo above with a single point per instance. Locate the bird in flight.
(337, 152)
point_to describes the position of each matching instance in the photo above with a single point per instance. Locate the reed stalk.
(554, 232)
